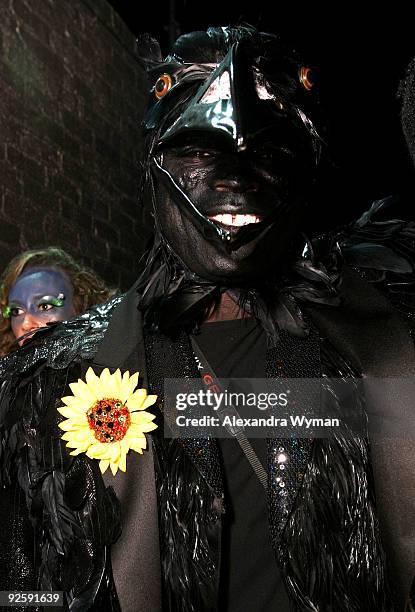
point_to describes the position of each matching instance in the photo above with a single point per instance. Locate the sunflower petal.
(116, 384)
(99, 451)
(124, 445)
(81, 390)
(104, 383)
(115, 450)
(114, 468)
(138, 444)
(82, 445)
(135, 400)
(133, 382)
(135, 430)
(75, 402)
(148, 427)
(92, 380)
(124, 393)
(103, 465)
(139, 418)
(73, 424)
(70, 413)
(104, 376)
(149, 401)
(76, 451)
(79, 435)
(122, 462)
(76, 444)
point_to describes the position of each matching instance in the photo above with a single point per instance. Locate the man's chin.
(231, 272)
(249, 265)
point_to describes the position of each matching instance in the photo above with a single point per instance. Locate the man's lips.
(235, 219)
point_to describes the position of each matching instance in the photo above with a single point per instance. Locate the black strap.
(238, 431)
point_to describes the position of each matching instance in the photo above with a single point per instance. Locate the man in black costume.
(231, 151)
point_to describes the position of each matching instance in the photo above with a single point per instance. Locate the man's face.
(38, 296)
(262, 184)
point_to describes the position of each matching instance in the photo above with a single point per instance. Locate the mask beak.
(235, 100)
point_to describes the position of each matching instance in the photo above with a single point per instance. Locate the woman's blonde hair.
(89, 288)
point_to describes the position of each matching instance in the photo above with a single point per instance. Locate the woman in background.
(41, 286)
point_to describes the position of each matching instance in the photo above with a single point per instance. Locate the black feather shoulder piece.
(381, 249)
(174, 299)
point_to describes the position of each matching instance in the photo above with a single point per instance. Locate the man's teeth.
(235, 220)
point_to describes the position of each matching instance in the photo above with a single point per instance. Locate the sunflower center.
(109, 419)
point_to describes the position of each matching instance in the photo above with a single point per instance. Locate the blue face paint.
(38, 296)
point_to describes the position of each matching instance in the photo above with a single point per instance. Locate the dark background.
(361, 52)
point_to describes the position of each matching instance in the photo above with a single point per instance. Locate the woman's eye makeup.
(6, 312)
(49, 301)
(12, 311)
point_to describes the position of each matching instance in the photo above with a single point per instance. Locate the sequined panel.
(287, 463)
(292, 357)
(174, 359)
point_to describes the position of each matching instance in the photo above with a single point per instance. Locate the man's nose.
(235, 184)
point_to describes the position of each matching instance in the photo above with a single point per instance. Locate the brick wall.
(71, 99)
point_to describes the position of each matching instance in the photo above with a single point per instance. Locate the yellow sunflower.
(106, 417)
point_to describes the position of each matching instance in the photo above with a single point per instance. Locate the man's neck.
(226, 310)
